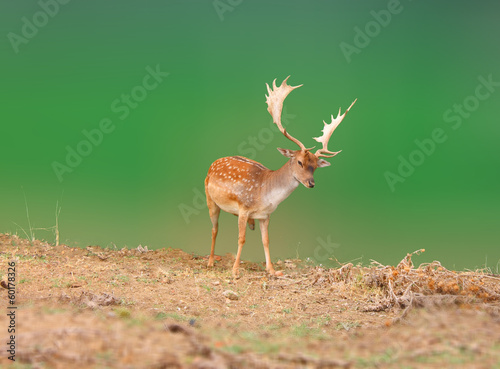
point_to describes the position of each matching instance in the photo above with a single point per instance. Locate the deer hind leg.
(242, 227)
(251, 223)
(264, 229)
(214, 211)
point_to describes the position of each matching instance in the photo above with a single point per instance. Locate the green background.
(130, 190)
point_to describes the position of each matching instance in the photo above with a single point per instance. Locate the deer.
(249, 190)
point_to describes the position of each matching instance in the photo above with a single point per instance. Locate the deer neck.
(280, 184)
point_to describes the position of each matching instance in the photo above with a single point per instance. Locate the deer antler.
(275, 104)
(327, 133)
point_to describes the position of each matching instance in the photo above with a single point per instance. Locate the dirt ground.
(103, 308)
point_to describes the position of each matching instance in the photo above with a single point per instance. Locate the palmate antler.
(327, 133)
(275, 104)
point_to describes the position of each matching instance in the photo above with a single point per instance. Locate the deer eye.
(300, 163)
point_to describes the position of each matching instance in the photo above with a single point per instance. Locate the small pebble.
(230, 295)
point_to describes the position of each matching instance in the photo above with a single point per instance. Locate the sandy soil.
(102, 308)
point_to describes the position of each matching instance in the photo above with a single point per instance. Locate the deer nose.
(310, 183)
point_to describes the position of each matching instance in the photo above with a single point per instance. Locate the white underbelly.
(234, 209)
(260, 215)
(229, 208)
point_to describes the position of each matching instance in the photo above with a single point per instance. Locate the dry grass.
(430, 284)
(97, 308)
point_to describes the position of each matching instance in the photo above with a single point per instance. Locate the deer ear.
(323, 163)
(286, 152)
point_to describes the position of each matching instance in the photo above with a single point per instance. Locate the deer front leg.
(242, 227)
(264, 229)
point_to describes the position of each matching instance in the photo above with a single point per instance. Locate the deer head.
(303, 162)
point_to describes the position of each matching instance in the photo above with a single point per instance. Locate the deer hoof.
(275, 273)
(279, 273)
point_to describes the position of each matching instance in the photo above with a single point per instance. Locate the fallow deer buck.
(248, 189)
